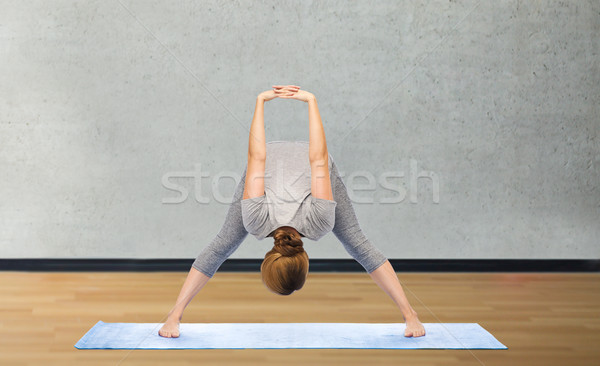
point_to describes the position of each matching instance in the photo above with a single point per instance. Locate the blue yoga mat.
(287, 335)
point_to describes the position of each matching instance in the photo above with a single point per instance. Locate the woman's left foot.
(414, 328)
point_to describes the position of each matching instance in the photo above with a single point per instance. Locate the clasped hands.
(286, 92)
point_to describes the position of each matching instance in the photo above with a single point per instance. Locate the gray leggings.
(346, 229)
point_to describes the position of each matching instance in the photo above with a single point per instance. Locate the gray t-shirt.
(288, 200)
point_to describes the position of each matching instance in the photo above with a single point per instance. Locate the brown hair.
(285, 267)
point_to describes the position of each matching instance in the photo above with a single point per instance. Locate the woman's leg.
(229, 238)
(348, 231)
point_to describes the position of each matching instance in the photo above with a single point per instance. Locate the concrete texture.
(106, 105)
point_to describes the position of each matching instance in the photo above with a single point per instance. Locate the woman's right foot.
(414, 327)
(170, 329)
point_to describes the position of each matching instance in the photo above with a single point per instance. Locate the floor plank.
(543, 318)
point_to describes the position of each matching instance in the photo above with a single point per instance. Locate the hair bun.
(287, 250)
(287, 243)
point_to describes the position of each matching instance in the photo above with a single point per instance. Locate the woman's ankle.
(175, 315)
(410, 316)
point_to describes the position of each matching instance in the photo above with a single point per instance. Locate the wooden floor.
(544, 319)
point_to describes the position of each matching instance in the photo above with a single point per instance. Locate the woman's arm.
(257, 146)
(317, 153)
(257, 153)
(317, 147)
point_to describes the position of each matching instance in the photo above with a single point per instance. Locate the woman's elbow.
(260, 156)
(321, 157)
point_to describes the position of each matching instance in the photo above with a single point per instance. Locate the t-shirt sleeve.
(255, 214)
(320, 217)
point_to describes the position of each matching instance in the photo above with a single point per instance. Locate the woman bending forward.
(290, 190)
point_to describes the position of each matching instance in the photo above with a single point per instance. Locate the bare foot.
(170, 329)
(414, 328)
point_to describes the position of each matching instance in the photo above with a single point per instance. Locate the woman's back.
(287, 170)
(287, 200)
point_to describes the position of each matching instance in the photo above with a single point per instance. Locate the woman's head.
(285, 267)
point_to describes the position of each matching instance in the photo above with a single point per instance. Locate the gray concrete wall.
(103, 105)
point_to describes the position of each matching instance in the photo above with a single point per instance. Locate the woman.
(312, 214)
